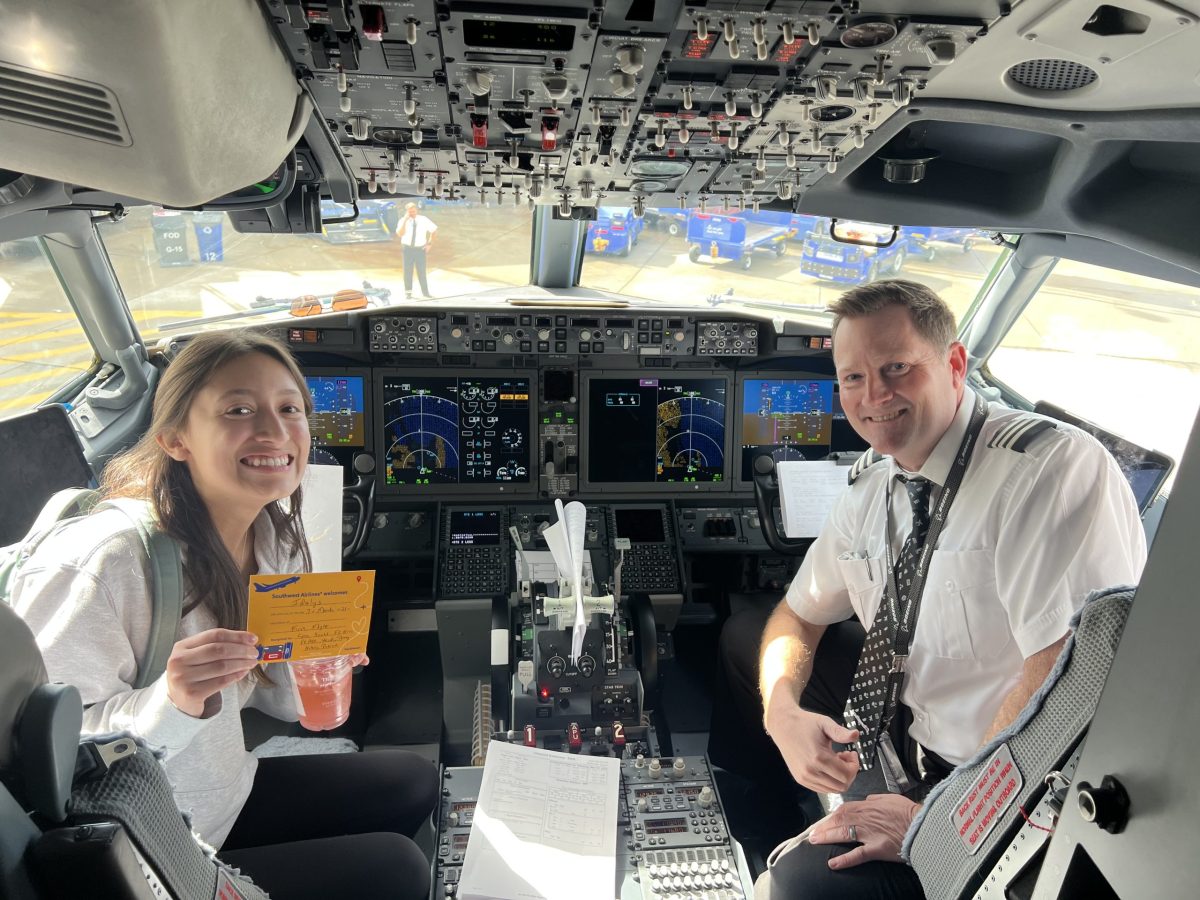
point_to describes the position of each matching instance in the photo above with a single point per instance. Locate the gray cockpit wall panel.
(176, 103)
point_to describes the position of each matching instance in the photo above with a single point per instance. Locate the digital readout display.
(550, 36)
(666, 826)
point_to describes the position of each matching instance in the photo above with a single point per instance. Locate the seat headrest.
(21, 673)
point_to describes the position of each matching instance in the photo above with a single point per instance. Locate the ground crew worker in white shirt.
(1043, 517)
(416, 237)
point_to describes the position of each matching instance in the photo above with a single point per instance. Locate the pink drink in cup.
(324, 686)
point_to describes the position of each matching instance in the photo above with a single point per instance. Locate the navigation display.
(786, 419)
(670, 430)
(338, 410)
(444, 430)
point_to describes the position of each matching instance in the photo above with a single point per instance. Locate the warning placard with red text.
(984, 803)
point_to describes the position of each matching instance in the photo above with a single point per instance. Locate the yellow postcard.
(310, 615)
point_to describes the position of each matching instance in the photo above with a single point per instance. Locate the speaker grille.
(58, 103)
(1052, 75)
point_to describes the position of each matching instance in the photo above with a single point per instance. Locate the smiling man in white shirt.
(416, 233)
(1025, 518)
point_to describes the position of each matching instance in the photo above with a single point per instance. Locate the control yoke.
(362, 494)
(766, 497)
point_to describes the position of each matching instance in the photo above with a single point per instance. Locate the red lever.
(549, 132)
(479, 130)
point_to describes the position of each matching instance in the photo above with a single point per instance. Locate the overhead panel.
(639, 102)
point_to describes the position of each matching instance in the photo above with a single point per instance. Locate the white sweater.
(86, 596)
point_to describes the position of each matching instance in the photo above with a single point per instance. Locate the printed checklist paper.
(310, 615)
(545, 827)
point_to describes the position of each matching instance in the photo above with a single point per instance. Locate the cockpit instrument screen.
(656, 430)
(786, 419)
(338, 410)
(446, 430)
(474, 528)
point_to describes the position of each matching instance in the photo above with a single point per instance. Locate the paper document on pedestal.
(565, 538)
(807, 493)
(545, 827)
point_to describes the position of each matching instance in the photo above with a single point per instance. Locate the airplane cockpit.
(560, 271)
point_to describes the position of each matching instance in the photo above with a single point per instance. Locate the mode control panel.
(568, 334)
(727, 339)
(402, 334)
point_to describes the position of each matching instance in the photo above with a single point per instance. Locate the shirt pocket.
(961, 616)
(864, 580)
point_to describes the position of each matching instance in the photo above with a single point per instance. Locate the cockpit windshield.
(195, 271)
(774, 260)
(192, 270)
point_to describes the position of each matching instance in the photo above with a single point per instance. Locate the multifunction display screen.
(786, 419)
(650, 430)
(440, 430)
(338, 410)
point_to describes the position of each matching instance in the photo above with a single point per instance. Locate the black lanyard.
(905, 614)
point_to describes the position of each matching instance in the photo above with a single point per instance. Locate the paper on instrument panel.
(565, 539)
(807, 492)
(322, 516)
(545, 827)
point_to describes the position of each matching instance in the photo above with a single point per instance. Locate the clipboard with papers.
(545, 827)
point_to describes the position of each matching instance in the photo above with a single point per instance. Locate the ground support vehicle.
(615, 232)
(851, 263)
(716, 238)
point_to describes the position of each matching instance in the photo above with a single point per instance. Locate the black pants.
(336, 825)
(414, 256)
(738, 743)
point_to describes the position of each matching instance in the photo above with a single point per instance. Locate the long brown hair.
(146, 472)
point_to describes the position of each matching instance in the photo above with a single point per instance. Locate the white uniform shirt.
(1028, 537)
(416, 231)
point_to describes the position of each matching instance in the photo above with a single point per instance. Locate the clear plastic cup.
(324, 687)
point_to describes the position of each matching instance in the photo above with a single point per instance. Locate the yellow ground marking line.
(27, 401)
(34, 336)
(30, 314)
(44, 372)
(41, 355)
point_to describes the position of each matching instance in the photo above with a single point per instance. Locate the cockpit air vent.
(1052, 75)
(59, 103)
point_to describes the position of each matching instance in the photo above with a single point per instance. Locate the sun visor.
(174, 102)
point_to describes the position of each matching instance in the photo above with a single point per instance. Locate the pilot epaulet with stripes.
(1019, 433)
(861, 465)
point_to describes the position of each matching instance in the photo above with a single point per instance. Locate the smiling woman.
(219, 469)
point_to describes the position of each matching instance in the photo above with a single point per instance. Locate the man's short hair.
(930, 315)
(410, 206)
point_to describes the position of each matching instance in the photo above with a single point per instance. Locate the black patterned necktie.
(866, 704)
